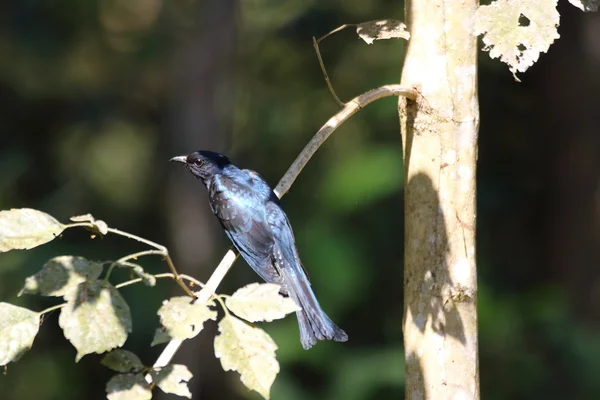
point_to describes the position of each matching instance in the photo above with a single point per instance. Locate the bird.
(254, 221)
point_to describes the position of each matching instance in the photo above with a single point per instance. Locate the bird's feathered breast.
(240, 205)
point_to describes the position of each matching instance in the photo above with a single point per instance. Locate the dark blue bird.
(254, 221)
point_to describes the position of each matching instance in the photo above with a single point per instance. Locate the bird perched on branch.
(252, 218)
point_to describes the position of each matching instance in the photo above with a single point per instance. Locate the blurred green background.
(96, 96)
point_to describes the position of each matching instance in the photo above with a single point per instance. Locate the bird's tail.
(314, 324)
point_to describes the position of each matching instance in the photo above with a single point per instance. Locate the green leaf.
(517, 31)
(184, 318)
(18, 327)
(96, 318)
(128, 387)
(26, 228)
(173, 379)
(122, 361)
(382, 29)
(260, 302)
(248, 350)
(60, 274)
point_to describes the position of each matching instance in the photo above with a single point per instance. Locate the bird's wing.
(241, 212)
(285, 243)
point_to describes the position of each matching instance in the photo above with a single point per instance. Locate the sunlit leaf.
(260, 302)
(173, 379)
(25, 228)
(382, 29)
(122, 361)
(60, 274)
(184, 318)
(128, 387)
(160, 336)
(96, 318)
(517, 31)
(249, 351)
(18, 327)
(98, 225)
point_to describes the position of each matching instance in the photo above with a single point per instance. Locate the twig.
(323, 69)
(284, 185)
(209, 289)
(162, 250)
(327, 80)
(334, 122)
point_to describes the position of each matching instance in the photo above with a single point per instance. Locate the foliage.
(97, 319)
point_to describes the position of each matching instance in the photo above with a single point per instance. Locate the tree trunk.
(440, 152)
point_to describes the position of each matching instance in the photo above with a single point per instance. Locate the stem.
(123, 260)
(159, 276)
(327, 80)
(56, 307)
(162, 250)
(350, 108)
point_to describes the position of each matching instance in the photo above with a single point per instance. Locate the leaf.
(585, 5)
(173, 379)
(96, 318)
(260, 302)
(382, 29)
(249, 351)
(517, 31)
(99, 226)
(60, 274)
(160, 336)
(183, 318)
(26, 228)
(18, 327)
(128, 387)
(122, 361)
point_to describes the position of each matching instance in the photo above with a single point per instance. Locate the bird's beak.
(181, 159)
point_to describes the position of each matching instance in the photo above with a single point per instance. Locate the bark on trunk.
(440, 150)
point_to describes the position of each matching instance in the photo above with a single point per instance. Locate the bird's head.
(203, 164)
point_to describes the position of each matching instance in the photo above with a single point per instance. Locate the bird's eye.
(199, 162)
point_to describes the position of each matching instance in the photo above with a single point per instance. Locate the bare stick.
(327, 81)
(350, 108)
(284, 185)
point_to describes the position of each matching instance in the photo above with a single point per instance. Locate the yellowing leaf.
(517, 31)
(184, 318)
(96, 318)
(18, 327)
(122, 361)
(128, 387)
(26, 228)
(173, 379)
(382, 29)
(249, 351)
(260, 302)
(60, 274)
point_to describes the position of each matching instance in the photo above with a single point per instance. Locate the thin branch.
(350, 108)
(327, 80)
(162, 250)
(284, 185)
(209, 290)
(323, 69)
